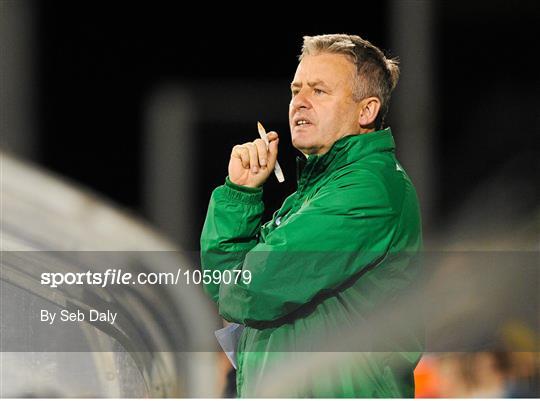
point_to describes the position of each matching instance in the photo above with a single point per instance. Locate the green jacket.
(337, 248)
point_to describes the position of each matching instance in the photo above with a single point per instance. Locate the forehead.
(328, 67)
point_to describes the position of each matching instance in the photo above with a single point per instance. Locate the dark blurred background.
(142, 103)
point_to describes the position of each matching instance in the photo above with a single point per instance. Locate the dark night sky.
(96, 64)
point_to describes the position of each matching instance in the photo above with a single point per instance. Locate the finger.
(253, 157)
(242, 153)
(272, 153)
(262, 151)
(272, 135)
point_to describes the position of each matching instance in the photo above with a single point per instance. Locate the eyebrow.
(310, 84)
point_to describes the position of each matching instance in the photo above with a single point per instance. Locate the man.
(339, 246)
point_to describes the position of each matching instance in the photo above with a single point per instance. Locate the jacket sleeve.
(230, 229)
(347, 226)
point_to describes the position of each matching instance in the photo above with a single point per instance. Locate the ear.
(369, 109)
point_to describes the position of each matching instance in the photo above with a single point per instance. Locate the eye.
(318, 91)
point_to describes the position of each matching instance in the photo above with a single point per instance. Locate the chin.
(298, 142)
(304, 146)
(305, 140)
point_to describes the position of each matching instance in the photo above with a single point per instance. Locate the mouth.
(301, 123)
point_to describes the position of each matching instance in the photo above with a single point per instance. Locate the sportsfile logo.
(108, 277)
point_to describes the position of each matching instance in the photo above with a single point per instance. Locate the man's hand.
(252, 162)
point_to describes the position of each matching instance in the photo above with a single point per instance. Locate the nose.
(300, 101)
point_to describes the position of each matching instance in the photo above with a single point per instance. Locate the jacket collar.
(344, 151)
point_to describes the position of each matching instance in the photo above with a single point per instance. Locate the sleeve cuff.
(241, 193)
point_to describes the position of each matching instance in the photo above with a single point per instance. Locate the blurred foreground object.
(45, 220)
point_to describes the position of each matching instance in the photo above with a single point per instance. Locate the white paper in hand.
(228, 337)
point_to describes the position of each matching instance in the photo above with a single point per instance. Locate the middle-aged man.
(339, 247)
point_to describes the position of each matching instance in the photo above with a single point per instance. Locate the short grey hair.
(376, 76)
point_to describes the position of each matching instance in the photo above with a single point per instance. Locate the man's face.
(322, 97)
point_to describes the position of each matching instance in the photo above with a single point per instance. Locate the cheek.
(347, 114)
(332, 118)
